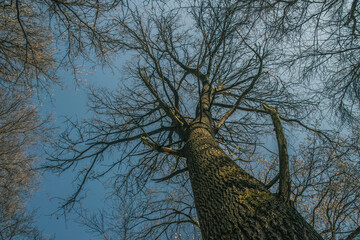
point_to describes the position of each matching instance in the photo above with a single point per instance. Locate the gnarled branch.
(284, 175)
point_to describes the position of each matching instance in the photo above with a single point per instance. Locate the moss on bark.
(231, 204)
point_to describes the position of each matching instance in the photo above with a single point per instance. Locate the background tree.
(28, 63)
(21, 130)
(196, 98)
(326, 186)
(26, 52)
(327, 49)
(38, 36)
(326, 57)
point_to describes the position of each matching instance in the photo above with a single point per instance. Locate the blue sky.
(70, 102)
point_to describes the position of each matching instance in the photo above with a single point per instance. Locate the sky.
(71, 102)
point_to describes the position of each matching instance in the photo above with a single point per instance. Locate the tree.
(327, 33)
(26, 54)
(200, 75)
(37, 37)
(28, 63)
(20, 131)
(329, 178)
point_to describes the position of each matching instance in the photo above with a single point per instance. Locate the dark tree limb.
(284, 175)
(318, 132)
(171, 175)
(355, 233)
(162, 149)
(163, 105)
(273, 181)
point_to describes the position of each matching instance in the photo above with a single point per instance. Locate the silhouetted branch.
(171, 175)
(284, 174)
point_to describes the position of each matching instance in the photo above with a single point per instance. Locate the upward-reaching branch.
(162, 104)
(196, 72)
(284, 185)
(250, 87)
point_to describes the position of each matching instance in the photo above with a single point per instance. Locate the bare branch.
(163, 105)
(284, 174)
(244, 93)
(273, 181)
(162, 149)
(353, 235)
(171, 175)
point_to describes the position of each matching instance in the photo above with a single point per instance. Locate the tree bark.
(230, 203)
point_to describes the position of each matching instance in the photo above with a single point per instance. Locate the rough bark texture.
(230, 203)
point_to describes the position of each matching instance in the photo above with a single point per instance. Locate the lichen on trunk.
(231, 204)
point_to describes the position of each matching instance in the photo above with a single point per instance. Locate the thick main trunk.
(231, 204)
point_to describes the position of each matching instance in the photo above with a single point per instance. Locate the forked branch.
(245, 92)
(179, 121)
(162, 149)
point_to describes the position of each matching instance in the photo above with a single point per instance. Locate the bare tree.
(326, 186)
(37, 37)
(326, 33)
(200, 74)
(21, 130)
(30, 34)
(25, 48)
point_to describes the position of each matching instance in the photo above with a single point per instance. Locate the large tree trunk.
(230, 203)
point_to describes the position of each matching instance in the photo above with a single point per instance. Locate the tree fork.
(230, 203)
